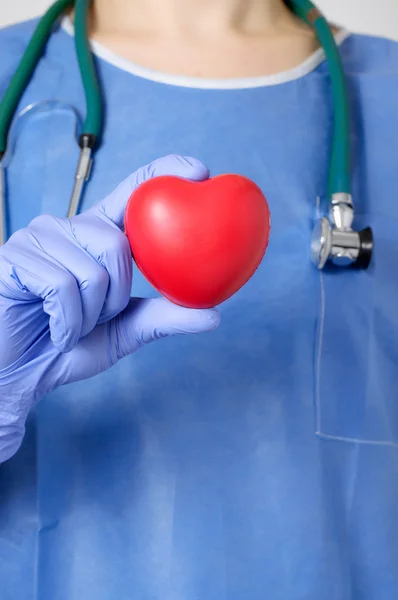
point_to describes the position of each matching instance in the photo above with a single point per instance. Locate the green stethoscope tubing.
(93, 122)
(339, 173)
(94, 110)
(340, 163)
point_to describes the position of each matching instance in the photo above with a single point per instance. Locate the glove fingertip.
(180, 166)
(214, 318)
(188, 320)
(199, 171)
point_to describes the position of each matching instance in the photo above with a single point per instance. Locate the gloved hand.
(65, 307)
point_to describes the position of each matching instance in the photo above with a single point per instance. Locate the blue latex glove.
(65, 307)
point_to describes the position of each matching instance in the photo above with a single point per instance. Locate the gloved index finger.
(114, 205)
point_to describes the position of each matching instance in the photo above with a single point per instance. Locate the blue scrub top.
(257, 462)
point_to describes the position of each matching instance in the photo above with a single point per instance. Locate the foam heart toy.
(198, 243)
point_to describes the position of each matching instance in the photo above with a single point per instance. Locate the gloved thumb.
(148, 319)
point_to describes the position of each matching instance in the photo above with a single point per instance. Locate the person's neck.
(203, 38)
(193, 18)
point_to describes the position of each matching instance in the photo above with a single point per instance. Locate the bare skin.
(204, 38)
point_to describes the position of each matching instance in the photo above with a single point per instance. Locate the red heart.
(198, 243)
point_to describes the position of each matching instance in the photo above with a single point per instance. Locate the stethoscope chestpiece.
(334, 240)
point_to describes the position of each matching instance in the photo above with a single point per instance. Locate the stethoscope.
(333, 238)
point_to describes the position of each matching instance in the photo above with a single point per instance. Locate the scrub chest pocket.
(356, 361)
